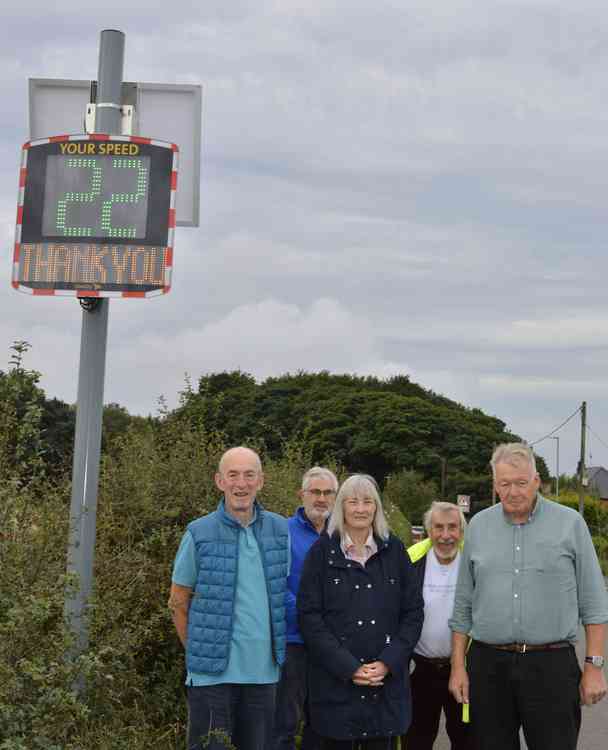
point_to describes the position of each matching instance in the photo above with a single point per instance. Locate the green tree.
(57, 424)
(364, 423)
(411, 494)
(21, 403)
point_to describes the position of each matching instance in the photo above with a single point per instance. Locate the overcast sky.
(386, 187)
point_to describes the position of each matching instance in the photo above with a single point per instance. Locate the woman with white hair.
(360, 615)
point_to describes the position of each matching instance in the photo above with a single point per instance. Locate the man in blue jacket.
(228, 603)
(318, 493)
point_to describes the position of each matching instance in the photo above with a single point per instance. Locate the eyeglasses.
(321, 493)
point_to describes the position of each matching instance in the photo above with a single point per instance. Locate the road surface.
(594, 728)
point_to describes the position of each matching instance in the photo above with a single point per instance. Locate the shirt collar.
(539, 500)
(370, 543)
(232, 520)
(535, 507)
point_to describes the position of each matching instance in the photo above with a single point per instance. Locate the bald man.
(228, 604)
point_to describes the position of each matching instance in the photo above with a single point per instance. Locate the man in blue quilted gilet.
(228, 604)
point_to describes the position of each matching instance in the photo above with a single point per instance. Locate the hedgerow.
(126, 690)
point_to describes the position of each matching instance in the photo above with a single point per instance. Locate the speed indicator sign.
(96, 216)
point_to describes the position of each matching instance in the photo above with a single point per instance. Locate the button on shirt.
(530, 582)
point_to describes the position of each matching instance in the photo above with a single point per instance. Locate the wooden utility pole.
(581, 469)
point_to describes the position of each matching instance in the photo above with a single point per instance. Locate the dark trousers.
(378, 743)
(537, 691)
(240, 714)
(430, 694)
(291, 703)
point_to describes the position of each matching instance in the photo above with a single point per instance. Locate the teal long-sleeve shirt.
(528, 583)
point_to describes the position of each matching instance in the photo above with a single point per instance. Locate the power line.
(597, 437)
(559, 427)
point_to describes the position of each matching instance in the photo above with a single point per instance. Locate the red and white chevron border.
(168, 265)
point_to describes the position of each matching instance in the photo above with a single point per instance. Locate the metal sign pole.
(87, 441)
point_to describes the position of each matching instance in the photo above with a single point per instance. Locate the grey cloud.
(437, 172)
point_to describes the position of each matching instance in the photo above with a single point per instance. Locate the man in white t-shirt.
(436, 562)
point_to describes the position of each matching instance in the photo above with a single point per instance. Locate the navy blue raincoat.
(349, 615)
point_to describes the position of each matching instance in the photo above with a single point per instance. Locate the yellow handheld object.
(465, 706)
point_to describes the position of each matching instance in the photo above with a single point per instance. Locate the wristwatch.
(597, 661)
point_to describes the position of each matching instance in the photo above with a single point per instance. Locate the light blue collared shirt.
(531, 582)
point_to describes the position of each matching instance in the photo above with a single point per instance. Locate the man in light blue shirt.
(528, 574)
(228, 604)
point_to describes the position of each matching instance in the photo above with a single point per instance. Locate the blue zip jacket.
(210, 618)
(302, 535)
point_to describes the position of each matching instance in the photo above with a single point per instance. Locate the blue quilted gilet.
(211, 610)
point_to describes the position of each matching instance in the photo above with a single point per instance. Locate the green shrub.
(595, 512)
(38, 705)
(157, 478)
(411, 494)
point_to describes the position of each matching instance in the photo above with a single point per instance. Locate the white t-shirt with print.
(438, 591)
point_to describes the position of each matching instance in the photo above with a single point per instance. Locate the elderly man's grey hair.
(319, 472)
(513, 454)
(359, 486)
(239, 449)
(442, 507)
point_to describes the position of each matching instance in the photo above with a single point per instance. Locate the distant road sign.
(95, 216)
(417, 533)
(464, 502)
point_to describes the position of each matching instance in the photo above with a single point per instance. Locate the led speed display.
(96, 214)
(93, 196)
